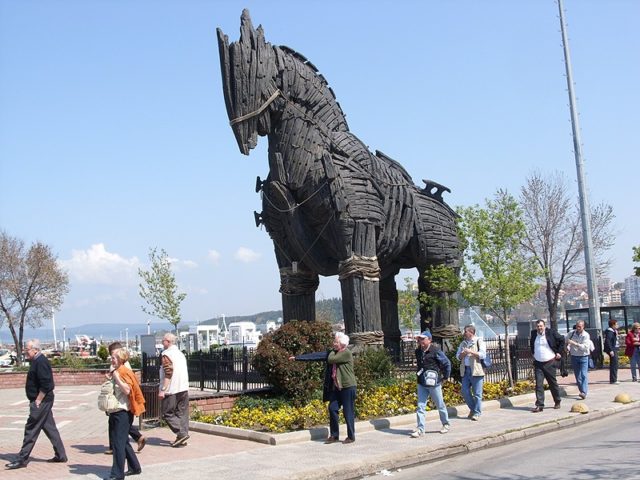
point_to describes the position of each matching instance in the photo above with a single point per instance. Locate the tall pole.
(53, 325)
(585, 211)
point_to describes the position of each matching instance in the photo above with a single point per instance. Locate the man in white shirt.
(174, 390)
(546, 347)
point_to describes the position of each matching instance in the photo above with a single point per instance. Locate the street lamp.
(64, 338)
(126, 337)
(148, 327)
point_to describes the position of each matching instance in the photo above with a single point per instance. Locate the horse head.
(248, 81)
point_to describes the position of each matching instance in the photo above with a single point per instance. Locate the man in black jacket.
(546, 347)
(611, 348)
(39, 389)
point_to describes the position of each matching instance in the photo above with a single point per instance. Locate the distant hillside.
(329, 310)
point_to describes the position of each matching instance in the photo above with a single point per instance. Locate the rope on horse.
(446, 331)
(362, 341)
(298, 283)
(357, 265)
(258, 111)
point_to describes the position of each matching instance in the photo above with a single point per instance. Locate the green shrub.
(103, 353)
(373, 366)
(136, 362)
(264, 401)
(296, 380)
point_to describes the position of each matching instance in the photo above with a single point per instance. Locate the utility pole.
(53, 325)
(585, 211)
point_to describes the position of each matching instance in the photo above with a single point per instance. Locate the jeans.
(345, 398)
(472, 391)
(635, 363)
(436, 396)
(119, 424)
(580, 367)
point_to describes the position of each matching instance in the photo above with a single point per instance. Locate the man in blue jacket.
(433, 367)
(39, 389)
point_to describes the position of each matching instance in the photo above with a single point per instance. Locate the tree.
(636, 258)
(408, 305)
(496, 274)
(159, 289)
(32, 286)
(554, 234)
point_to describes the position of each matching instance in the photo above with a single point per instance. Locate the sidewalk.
(381, 444)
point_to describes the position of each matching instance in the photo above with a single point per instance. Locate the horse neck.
(308, 92)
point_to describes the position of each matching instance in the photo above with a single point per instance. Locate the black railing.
(223, 369)
(230, 369)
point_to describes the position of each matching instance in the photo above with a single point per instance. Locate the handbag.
(430, 378)
(592, 365)
(107, 401)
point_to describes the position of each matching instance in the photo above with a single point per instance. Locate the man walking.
(546, 347)
(579, 346)
(39, 389)
(174, 390)
(471, 351)
(432, 367)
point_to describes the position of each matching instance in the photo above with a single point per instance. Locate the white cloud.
(177, 263)
(98, 266)
(246, 255)
(213, 256)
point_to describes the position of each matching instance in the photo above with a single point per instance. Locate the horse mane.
(309, 89)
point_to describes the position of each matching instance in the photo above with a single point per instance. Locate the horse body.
(330, 205)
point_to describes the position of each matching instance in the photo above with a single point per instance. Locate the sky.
(114, 136)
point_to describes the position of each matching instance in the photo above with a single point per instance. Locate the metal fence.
(230, 369)
(223, 369)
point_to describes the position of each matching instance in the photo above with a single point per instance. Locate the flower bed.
(277, 416)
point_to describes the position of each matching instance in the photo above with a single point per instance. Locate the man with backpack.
(433, 366)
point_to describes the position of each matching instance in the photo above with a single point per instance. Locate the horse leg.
(389, 314)
(359, 280)
(298, 287)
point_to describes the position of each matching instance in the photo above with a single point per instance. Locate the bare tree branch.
(554, 234)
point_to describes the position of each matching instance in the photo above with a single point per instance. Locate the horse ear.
(247, 32)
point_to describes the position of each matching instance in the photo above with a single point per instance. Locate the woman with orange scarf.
(127, 391)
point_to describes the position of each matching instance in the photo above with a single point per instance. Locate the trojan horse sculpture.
(330, 206)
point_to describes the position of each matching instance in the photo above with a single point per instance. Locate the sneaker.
(416, 434)
(445, 428)
(470, 416)
(582, 395)
(475, 418)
